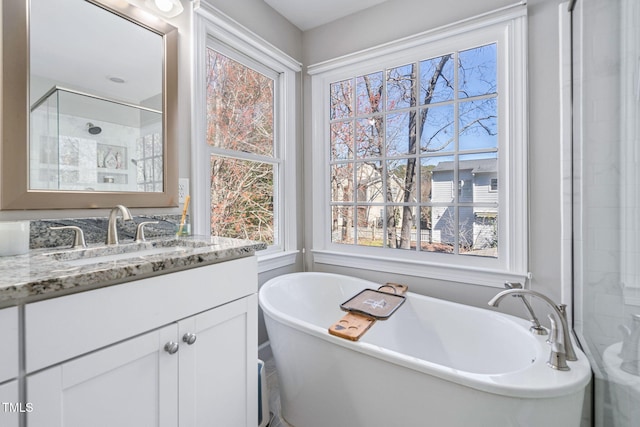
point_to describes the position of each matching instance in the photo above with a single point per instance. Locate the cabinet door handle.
(189, 338)
(171, 347)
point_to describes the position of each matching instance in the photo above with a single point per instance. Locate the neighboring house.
(477, 191)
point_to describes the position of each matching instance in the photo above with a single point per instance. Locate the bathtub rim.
(547, 382)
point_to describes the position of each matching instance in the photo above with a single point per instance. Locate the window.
(414, 137)
(398, 136)
(244, 132)
(149, 176)
(240, 132)
(494, 184)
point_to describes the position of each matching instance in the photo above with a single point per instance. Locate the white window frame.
(212, 28)
(507, 27)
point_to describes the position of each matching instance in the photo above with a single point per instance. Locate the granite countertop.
(48, 273)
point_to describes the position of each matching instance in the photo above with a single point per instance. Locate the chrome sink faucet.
(112, 230)
(560, 340)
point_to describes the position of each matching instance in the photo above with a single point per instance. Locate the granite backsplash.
(95, 230)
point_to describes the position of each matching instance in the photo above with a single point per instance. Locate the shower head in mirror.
(92, 129)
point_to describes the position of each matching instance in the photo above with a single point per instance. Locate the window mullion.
(418, 166)
(244, 155)
(354, 174)
(456, 157)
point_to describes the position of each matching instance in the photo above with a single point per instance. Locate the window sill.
(475, 276)
(268, 261)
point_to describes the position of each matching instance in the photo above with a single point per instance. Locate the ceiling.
(78, 45)
(307, 14)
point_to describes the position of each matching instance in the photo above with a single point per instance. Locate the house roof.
(476, 166)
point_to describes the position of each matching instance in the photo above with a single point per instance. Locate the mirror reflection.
(95, 100)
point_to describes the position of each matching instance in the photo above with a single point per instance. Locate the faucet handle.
(558, 356)
(78, 237)
(139, 238)
(553, 335)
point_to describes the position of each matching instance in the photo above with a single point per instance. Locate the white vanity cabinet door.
(133, 383)
(219, 371)
(9, 344)
(10, 404)
(11, 407)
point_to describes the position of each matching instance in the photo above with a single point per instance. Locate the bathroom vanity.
(165, 335)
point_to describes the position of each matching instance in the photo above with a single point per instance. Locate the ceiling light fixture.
(164, 5)
(166, 8)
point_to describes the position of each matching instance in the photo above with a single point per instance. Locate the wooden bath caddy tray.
(365, 308)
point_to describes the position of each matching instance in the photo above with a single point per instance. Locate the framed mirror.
(89, 92)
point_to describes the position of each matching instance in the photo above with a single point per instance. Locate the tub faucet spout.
(629, 353)
(561, 346)
(112, 231)
(535, 328)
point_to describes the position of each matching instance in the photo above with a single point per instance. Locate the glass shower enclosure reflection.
(83, 142)
(606, 137)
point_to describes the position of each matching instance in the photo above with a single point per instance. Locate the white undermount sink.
(126, 255)
(102, 254)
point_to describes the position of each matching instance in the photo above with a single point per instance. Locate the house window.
(244, 131)
(417, 135)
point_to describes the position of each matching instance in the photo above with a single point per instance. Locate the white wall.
(259, 17)
(376, 26)
(386, 22)
(545, 169)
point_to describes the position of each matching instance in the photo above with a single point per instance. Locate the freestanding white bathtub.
(433, 363)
